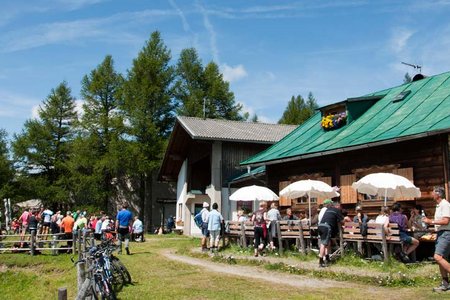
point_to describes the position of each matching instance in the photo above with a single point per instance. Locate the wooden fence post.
(280, 238)
(74, 243)
(81, 274)
(79, 239)
(32, 241)
(62, 293)
(54, 245)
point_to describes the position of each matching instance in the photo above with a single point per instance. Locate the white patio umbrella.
(254, 193)
(387, 185)
(310, 188)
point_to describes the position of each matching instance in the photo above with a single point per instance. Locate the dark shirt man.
(328, 228)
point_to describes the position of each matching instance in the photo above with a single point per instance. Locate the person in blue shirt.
(215, 221)
(123, 223)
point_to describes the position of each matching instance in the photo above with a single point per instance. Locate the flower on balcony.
(335, 121)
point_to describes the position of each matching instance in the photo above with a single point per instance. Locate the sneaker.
(441, 288)
(404, 257)
(322, 265)
(128, 251)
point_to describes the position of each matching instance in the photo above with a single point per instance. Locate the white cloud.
(35, 112)
(399, 39)
(184, 21)
(233, 73)
(212, 33)
(108, 29)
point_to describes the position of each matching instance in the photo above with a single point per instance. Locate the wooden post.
(384, 244)
(341, 241)
(302, 238)
(243, 237)
(74, 243)
(280, 240)
(81, 274)
(62, 293)
(79, 238)
(84, 240)
(33, 241)
(54, 244)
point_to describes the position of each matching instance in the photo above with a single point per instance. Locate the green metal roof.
(424, 111)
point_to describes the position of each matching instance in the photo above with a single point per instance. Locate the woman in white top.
(273, 216)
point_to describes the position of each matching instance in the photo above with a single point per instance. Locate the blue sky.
(268, 50)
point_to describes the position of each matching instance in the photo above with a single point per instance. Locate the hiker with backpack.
(201, 219)
(260, 227)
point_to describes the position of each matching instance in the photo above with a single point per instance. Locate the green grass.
(156, 277)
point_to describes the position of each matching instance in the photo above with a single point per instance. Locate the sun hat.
(328, 201)
(205, 204)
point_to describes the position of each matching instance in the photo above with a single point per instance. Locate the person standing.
(328, 228)
(138, 230)
(123, 223)
(273, 216)
(205, 233)
(442, 225)
(215, 221)
(67, 227)
(24, 219)
(260, 227)
(47, 218)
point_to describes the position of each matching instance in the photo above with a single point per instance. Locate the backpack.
(198, 219)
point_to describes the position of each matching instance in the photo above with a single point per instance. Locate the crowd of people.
(44, 223)
(329, 216)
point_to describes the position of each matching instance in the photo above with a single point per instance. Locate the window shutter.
(327, 180)
(407, 173)
(348, 194)
(284, 201)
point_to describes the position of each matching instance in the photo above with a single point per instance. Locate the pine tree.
(95, 161)
(297, 111)
(190, 84)
(44, 146)
(6, 171)
(202, 92)
(149, 109)
(219, 99)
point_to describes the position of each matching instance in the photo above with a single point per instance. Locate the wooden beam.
(445, 158)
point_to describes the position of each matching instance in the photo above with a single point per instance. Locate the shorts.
(325, 233)
(205, 231)
(442, 246)
(124, 233)
(46, 224)
(405, 238)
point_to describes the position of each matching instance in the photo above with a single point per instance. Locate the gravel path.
(258, 273)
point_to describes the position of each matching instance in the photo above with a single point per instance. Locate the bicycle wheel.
(121, 266)
(102, 289)
(118, 278)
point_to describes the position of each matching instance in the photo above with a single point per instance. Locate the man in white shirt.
(205, 232)
(442, 226)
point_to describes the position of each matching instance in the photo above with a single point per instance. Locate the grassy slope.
(39, 277)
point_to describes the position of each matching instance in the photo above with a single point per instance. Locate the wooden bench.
(375, 234)
(288, 230)
(235, 231)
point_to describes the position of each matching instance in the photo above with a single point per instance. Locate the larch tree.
(148, 107)
(297, 111)
(43, 148)
(96, 160)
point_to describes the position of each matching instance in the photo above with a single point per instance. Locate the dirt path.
(296, 281)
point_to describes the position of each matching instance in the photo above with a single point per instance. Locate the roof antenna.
(416, 67)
